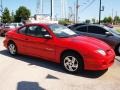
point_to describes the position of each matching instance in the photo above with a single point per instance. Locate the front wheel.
(72, 62)
(12, 48)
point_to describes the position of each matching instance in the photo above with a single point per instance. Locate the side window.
(36, 31)
(82, 29)
(31, 30)
(96, 30)
(22, 30)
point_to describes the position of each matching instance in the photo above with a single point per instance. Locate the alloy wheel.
(71, 63)
(12, 49)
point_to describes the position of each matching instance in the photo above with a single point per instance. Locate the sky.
(88, 8)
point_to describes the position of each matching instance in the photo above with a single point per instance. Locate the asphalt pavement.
(28, 73)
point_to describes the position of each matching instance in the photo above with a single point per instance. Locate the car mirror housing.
(108, 33)
(47, 36)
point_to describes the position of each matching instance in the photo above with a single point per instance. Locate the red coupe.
(59, 44)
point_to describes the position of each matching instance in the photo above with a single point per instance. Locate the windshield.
(61, 31)
(113, 30)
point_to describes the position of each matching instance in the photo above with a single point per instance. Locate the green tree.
(6, 16)
(87, 21)
(116, 19)
(107, 20)
(64, 22)
(22, 14)
(110, 19)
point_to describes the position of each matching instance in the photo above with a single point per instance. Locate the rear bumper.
(100, 63)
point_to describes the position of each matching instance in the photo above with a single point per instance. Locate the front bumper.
(99, 63)
(5, 43)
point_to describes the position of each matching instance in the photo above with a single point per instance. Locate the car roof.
(98, 25)
(39, 24)
(77, 24)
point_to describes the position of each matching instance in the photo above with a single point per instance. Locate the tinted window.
(96, 30)
(22, 30)
(82, 29)
(36, 31)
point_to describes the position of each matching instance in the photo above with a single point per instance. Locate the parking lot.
(28, 73)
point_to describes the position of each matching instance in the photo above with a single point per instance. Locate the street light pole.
(100, 13)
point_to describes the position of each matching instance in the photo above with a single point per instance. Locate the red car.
(59, 44)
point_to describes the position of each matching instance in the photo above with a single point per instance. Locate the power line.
(88, 5)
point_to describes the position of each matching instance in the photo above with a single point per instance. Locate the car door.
(38, 45)
(21, 40)
(100, 33)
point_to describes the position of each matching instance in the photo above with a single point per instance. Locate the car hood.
(91, 43)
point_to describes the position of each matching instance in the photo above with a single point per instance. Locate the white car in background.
(16, 25)
(9, 26)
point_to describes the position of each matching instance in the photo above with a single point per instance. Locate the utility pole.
(70, 13)
(116, 13)
(77, 6)
(100, 13)
(62, 9)
(39, 9)
(101, 8)
(74, 11)
(41, 4)
(51, 9)
(112, 16)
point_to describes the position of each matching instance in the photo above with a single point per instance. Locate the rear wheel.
(72, 62)
(12, 48)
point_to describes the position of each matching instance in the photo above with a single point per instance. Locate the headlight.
(102, 52)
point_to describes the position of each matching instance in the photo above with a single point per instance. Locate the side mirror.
(108, 33)
(47, 36)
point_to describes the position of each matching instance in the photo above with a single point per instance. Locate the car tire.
(12, 48)
(72, 62)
